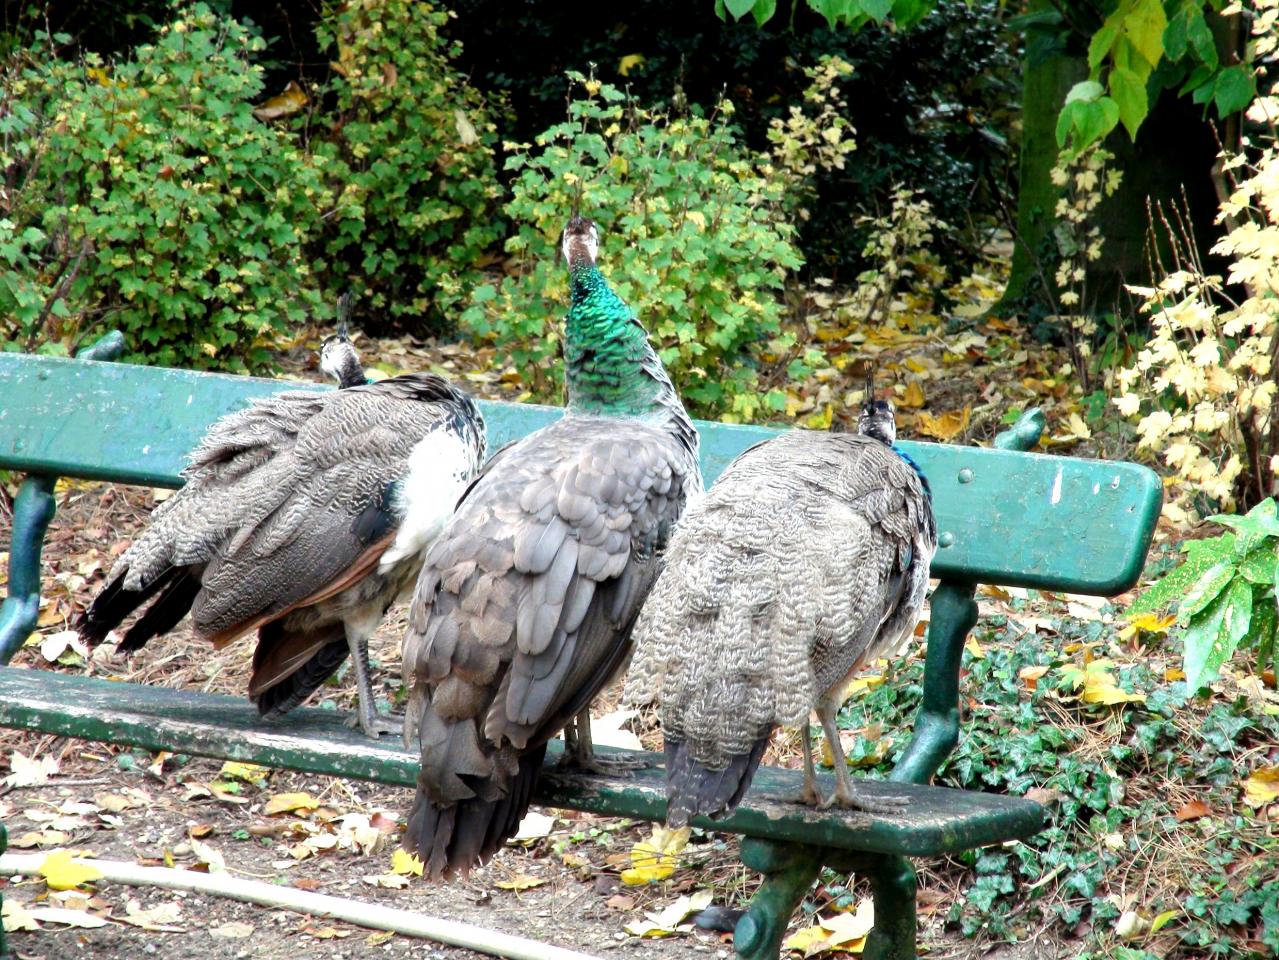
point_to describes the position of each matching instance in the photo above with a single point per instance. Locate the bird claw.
(608, 765)
(854, 799)
(376, 725)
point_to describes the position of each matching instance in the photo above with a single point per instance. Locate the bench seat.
(939, 820)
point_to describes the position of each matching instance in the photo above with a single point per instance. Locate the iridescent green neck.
(610, 365)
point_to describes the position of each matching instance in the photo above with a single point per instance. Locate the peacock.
(303, 518)
(805, 561)
(525, 606)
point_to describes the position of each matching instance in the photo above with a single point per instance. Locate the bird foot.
(375, 725)
(605, 764)
(854, 799)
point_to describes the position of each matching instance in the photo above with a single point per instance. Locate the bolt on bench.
(1003, 517)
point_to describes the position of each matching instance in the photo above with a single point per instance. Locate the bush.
(146, 196)
(411, 150)
(700, 239)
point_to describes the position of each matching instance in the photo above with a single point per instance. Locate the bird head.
(338, 356)
(878, 418)
(580, 242)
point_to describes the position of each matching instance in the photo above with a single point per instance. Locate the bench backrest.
(1061, 523)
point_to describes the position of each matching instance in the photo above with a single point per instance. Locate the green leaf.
(738, 8)
(1234, 89)
(763, 11)
(1212, 638)
(1101, 42)
(1176, 34)
(1085, 91)
(1129, 93)
(1202, 42)
(1260, 565)
(1144, 28)
(877, 10)
(1205, 590)
(908, 13)
(1265, 619)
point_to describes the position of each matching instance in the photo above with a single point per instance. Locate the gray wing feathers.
(532, 588)
(779, 583)
(272, 495)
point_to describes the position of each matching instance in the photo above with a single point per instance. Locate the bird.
(525, 605)
(338, 356)
(805, 561)
(303, 517)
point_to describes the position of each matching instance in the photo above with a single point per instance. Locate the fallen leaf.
(17, 917)
(40, 838)
(913, 396)
(521, 882)
(945, 427)
(1261, 787)
(1192, 811)
(392, 881)
(619, 901)
(62, 872)
(974, 648)
(233, 930)
(845, 932)
(655, 858)
(70, 918)
(159, 918)
(289, 802)
(26, 771)
(208, 854)
(405, 863)
(1045, 796)
(666, 922)
(55, 645)
(1161, 921)
(535, 825)
(250, 773)
(609, 732)
(1147, 623)
(1030, 676)
(326, 933)
(379, 937)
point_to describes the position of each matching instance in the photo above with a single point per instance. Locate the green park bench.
(1003, 517)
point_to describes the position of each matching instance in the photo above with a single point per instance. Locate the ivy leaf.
(1213, 637)
(1129, 93)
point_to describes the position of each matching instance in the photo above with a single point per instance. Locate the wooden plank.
(1062, 523)
(938, 820)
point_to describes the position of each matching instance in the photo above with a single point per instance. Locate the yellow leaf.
(17, 918)
(945, 427)
(405, 863)
(61, 872)
(862, 684)
(809, 941)
(629, 63)
(1031, 675)
(521, 882)
(1261, 787)
(250, 773)
(288, 802)
(665, 922)
(1148, 623)
(655, 858)
(466, 131)
(974, 648)
(846, 929)
(913, 397)
(283, 104)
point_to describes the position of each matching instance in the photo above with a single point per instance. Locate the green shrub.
(411, 145)
(146, 196)
(697, 241)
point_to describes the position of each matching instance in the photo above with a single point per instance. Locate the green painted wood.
(1004, 517)
(33, 508)
(938, 820)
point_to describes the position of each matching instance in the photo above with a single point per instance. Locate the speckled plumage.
(806, 560)
(287, 507)
(525, 606)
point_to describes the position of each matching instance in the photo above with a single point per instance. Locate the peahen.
(805, 561)
(525, 607)
(303, 517)
(338, 356)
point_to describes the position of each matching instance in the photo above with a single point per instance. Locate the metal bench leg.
(892, 880)
(4, 843)
(953, 612)
(789, 871)
(32, 510)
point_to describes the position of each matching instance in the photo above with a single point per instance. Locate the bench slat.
(1062, 523)
(939, 820)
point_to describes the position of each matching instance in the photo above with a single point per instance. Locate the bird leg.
(848, 793)
(810, 794)
(366, 716)
(579, 751)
